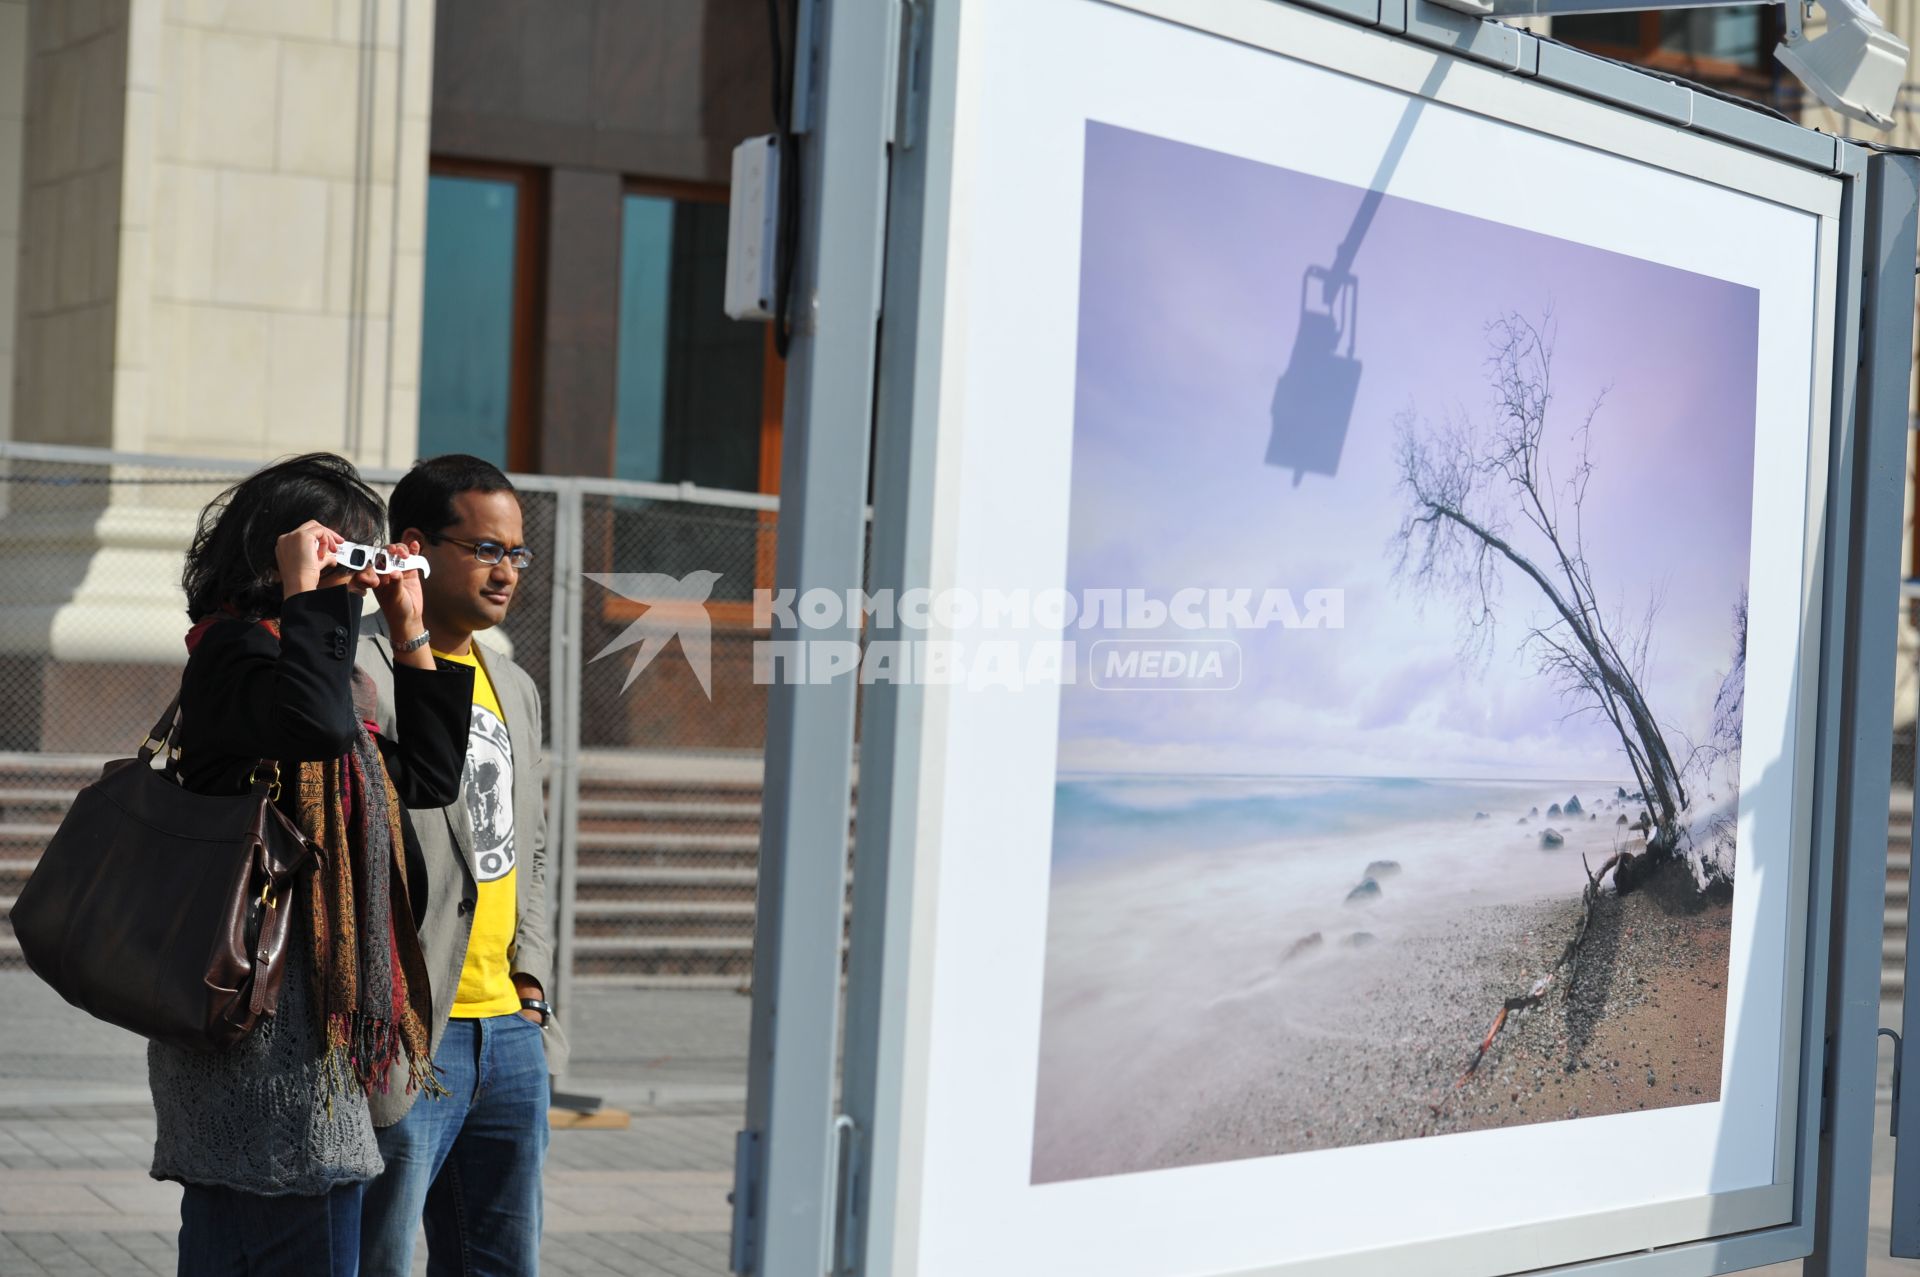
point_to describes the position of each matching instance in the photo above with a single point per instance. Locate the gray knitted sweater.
(256, 1117)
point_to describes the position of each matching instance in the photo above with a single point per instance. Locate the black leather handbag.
(165, 911)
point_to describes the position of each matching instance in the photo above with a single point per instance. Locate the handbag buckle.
(273, 785)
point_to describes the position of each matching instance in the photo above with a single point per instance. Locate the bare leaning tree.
(1719, 755)
(1483, 501)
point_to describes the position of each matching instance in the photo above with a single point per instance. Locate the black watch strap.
(536, 1004)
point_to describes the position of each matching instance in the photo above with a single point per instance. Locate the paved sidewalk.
(76, 1136)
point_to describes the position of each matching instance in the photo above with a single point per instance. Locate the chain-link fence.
(668, 824)
(1906, 690)
(92, 631)
(636, 621)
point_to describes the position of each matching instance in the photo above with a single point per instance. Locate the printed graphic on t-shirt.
(488, 786)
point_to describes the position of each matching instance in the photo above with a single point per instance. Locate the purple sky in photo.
(1191, 270)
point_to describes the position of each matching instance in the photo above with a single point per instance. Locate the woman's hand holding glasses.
(313, 554)
(401, 600)
(304, 555)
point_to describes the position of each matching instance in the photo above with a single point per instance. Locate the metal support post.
(563, 751)
(892, 713)
(1862, 531)
(783, 1196)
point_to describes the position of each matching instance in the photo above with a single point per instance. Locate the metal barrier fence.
(654, 800)
(654, 793)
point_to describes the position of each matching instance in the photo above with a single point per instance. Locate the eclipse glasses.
(355, 557)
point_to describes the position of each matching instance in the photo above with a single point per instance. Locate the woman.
(272, 1138)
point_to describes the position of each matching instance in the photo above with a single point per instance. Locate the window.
(690, 396)
(1731, 48)
(1729, 35)
(475, 316)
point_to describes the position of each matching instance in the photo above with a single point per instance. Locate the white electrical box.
(753, 227)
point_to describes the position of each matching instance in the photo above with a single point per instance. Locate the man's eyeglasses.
(491, 552)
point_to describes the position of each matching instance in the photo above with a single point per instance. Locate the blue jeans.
(467, 1166)
(227, 1233)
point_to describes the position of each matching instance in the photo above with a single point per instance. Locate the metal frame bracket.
(1899, 1053)
(749, 1165)
(907, 115)
(843, 1247)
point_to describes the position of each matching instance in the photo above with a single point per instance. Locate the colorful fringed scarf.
(370, 979)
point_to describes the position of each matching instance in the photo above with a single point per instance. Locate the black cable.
(787, 229)
(781, 91)
(789, 244)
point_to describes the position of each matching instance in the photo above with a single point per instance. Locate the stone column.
(221, 250)
(13, 119)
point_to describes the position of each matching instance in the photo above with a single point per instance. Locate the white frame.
(942, 298)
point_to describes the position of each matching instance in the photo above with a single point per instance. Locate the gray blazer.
(446, 843)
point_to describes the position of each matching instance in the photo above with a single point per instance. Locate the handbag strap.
(162, 730)
(262, 778)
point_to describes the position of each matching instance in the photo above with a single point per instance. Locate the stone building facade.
(243, 228)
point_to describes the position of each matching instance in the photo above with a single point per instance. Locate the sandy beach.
(1359, 1036)
(1643, 1028)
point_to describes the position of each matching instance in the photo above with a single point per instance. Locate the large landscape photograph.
(1462, 853)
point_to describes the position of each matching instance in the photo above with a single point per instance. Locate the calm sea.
(1103, 818)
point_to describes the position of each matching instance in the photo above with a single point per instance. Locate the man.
(468, 1165)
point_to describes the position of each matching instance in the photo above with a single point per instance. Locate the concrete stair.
(669, 854)
(668, 861)
(669, 850)
(35, 791)
(1893, 936)
(666, 871)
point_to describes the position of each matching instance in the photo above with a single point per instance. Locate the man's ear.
(412, 534)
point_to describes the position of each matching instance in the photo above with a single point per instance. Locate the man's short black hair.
(424, 496)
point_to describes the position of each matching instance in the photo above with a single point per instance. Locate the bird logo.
(675, 607)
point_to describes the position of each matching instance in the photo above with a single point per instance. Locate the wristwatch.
(413, 644)
(536, 1004)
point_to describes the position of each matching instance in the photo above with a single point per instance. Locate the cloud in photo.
(1192, 267)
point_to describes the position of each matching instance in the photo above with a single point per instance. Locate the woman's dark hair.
(424, 496)
(231, 563)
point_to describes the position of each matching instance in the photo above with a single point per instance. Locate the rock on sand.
(1304, 945)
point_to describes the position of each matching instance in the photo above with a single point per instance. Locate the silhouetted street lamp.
(1313, 402)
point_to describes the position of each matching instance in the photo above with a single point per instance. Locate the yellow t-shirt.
(486, 979)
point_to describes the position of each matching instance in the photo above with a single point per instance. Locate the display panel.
(1195, 343)
(1359, 896)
